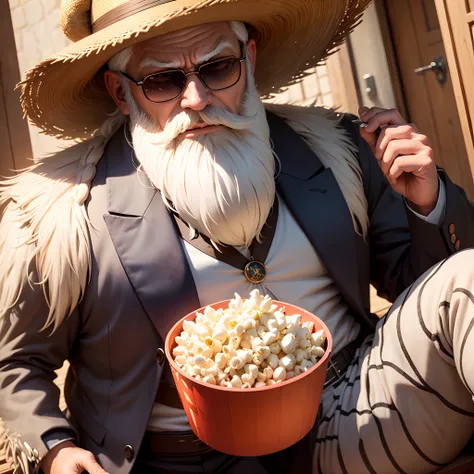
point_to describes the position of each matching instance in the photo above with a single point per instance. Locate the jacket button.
(160, 355)
(129, 452)
(457, 245)
(453, 238)
(452, 229)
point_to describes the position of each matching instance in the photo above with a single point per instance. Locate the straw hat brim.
(64, 95)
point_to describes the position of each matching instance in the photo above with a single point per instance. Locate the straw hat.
(65, 96)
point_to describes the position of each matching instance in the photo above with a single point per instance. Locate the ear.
(114, 87)
(252, 51)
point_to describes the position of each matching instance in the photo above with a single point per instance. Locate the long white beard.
(221, 184)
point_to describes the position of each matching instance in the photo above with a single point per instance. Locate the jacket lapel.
(146, 241)
(313, 196)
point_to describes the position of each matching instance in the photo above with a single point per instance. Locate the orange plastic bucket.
(255, 421)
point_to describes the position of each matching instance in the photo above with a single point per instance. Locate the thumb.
(92, 466)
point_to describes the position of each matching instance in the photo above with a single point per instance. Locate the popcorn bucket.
(252, 421)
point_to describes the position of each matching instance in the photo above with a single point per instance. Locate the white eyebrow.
(149, 62)
(206, 57)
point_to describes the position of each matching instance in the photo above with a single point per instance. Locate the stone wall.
(38, 35)
(314, 89)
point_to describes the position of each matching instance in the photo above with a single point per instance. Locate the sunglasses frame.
(186, 74)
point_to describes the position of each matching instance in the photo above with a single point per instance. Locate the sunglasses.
(216, 75)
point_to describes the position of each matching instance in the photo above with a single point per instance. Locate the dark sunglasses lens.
(164, 86)
(221, 74)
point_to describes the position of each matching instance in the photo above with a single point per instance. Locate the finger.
(363, 110)
(392, 132)
(387, 117)
(408, 164)
(91, 465)
(366, 113)
(396, 148)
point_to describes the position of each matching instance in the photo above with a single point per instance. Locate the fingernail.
(359, 123)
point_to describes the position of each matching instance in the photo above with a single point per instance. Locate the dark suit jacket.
(141, 284)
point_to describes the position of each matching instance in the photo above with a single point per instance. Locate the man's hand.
(67, 458)
(404, 156)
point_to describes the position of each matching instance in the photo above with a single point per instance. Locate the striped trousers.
(406, 402)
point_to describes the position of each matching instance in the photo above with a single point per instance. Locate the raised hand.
(404, 155)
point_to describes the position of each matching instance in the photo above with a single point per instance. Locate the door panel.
(430, 104)
(457, 24)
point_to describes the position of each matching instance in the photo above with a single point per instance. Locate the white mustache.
(212, 115)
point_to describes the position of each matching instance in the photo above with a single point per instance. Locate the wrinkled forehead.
(190, 45)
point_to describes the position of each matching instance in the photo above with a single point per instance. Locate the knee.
(461, 264)
(464, 258)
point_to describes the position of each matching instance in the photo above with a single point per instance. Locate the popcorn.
(268, 372)
(298, 369)
(300, 355)
(271, 336)
(209, 379)
(293, 323)
(250, 323)
(189, 327)
(221, 360)
(266, 305)
(256, 342)
(287, 362)
(245, 344)
(289, 344)
(252, 370)
(273, 361)
(199, 361)
(275, 347)
(236, 382)
(246, 356)
(304, 343)
(281, 319)
(317, 351)
(279, 374)
(318, 338)
(263, 352)
(237, 363)
(250, 344)
(247, 379)
(220, 333)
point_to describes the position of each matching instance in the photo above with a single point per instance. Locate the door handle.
(439, 66)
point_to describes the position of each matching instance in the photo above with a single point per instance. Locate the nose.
(196, 95)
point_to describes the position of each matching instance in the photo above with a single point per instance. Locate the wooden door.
(429, 96)
(457, 25)
(15, 147)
